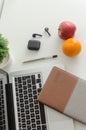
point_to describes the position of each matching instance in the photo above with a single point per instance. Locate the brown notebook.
(66, 93)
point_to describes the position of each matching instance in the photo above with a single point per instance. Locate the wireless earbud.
(47, 30)
(35, 34)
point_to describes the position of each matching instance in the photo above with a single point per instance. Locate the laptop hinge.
(10, 107)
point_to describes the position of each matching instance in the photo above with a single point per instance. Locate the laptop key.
(44, 127)
(33, 125)
(39, 127)
(24, 125)
(33, 79)
(28, 127)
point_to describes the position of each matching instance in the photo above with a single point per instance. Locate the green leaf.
(3, 48)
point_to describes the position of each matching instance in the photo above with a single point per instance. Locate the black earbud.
(47, 30)
(35, 34)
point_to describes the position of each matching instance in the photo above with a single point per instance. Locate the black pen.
(43, 58)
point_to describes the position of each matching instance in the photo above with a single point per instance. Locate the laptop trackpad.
(58, 121)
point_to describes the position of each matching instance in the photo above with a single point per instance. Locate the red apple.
(66, 30)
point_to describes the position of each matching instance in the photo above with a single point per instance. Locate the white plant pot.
(5, 62)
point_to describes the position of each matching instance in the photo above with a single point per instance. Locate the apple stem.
(59, 29)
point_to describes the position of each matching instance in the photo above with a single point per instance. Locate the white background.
(21, 18)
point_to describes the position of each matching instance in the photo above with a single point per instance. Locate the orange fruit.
(71, 47)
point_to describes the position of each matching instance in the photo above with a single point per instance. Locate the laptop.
(19, 108)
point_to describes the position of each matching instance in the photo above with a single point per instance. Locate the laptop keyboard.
(31, 113)
(2, 108)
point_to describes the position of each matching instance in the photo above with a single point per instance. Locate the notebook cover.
(66, 93)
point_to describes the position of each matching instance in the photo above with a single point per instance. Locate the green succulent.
(3, 48)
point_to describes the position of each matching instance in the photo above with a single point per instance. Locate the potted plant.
(4, 51)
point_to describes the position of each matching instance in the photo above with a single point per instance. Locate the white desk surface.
(21, 18)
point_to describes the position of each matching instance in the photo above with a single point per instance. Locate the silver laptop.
(19, 108)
